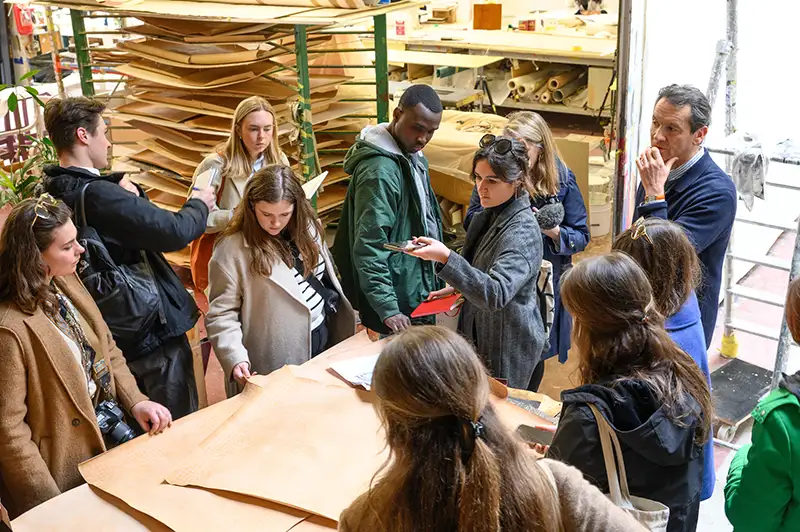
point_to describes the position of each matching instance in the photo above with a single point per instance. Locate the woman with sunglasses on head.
(274, 295)
(58, 360)
(561, 215)
(651, 393)
(453, 464)
(669, 259)
(499, 265)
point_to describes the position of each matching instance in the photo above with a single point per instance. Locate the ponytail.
(479, 497)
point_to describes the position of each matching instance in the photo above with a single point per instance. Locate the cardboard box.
(487, 16)
(599, 80)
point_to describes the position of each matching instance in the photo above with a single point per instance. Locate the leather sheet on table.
(300, 443)
(134, 473)
(452, 148)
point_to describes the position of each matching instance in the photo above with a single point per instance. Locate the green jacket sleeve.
(759, 485)
(377, 199)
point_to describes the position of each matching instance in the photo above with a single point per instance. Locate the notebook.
(438, 306)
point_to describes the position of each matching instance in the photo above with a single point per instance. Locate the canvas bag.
(652, 514)
(545, 293)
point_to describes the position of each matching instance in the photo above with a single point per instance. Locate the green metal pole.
(381, 68)
(308, 160)
(82, 52)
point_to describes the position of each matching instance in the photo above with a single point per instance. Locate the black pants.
(536, 378)
(319, 338)
(166, 376)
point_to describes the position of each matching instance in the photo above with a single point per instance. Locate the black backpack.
(127, 295)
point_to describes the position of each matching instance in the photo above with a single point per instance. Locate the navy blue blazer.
(574, 239)
(703, 201)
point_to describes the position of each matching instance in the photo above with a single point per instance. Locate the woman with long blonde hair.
(554, 190)
(453, 465)
(651, 392)
(253, 144)
(273, 292)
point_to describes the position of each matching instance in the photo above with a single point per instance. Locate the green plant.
(13, 99)
(19, 184)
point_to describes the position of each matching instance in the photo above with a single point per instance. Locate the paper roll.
(562, 78)
(569, 89)
(529, 88)
(537, 96)
(546, 97)
(516, 83)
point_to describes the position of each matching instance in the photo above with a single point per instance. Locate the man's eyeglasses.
(40, 209)
(640, 231)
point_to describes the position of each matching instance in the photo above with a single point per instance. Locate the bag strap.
(619, 492)
(81, 207)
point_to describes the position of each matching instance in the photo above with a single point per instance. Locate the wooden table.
(88, 508)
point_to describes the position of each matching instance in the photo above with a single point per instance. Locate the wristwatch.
(652, 197)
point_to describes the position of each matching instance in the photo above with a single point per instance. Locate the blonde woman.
(274, 296)
(553, 183)
(253, 144)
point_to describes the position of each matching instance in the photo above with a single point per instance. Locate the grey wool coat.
(501, 311)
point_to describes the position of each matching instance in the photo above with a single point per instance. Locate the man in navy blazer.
(680, 182)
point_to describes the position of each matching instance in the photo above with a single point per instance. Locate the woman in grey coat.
(499, 265)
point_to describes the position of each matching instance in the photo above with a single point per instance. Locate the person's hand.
(398, 322)
(554, 233)
(444, 292)
(206, 195)
(433, 250)
(152, 417)
(241, 372)
(654, 171)
(540, 448)
(128, 185)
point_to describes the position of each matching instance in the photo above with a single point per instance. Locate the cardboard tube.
(569, 89)
(516, 83)
(537, 96)
(546, 96)
(562, 78)
(529, 88)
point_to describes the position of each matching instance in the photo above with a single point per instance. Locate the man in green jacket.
(390, 199)
(763, 489)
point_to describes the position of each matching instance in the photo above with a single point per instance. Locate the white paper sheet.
(357, 371)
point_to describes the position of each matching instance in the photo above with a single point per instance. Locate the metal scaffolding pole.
(622, 178)
(82, 52)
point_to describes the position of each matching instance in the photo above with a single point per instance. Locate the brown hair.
(23, 272)
(233, 151)
(274, 184)
(63, 117)
(532, 129)
(430, 386)
(793, 309)
(510, 167)
(619, 336)
(668, 258)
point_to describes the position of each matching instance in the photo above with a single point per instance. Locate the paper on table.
(311, 187)
(357, 371)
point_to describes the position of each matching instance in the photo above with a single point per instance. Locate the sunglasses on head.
(40, 210)
(501, 145)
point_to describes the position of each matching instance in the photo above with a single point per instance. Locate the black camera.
(111, 420)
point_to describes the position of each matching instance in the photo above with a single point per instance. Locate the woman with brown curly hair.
(454, 466)
(58, 360)
(652, 394)
(274, 296)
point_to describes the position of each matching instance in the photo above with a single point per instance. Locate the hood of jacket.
(640, 421)
(791, 383)
(375, 141)
(66, 183)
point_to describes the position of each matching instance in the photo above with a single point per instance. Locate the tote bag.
(652, 514)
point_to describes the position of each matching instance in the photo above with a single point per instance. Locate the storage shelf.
(549, 108)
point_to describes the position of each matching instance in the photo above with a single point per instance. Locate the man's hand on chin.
(654, 171)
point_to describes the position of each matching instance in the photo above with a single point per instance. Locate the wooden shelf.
(549, 108)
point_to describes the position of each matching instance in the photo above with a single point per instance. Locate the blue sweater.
(686, 330)
(703, 202)
(574, 239)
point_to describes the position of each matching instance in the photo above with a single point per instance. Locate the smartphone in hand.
(405, 246)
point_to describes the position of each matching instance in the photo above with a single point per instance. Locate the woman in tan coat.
(453, 465)
(273, 292)
(58, 360)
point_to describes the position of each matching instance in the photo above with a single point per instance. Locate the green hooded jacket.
(382, 205)
(762, 493)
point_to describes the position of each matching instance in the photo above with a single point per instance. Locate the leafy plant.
(13, 99)
(20, 183)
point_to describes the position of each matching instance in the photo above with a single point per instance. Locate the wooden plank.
(155, 181)
(166, 123)
(331, 197)
(190, 78)
(155, 110)
(195, 55)
(402, 57)
(188, 157)
(154, 159)
(185, 104)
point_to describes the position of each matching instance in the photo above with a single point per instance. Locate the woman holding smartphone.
(499, 266)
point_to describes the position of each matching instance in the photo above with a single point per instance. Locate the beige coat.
(231, 193)
(47, 420)
(263, 320)
(583, 507)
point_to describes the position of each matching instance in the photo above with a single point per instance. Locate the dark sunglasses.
(501, 146)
